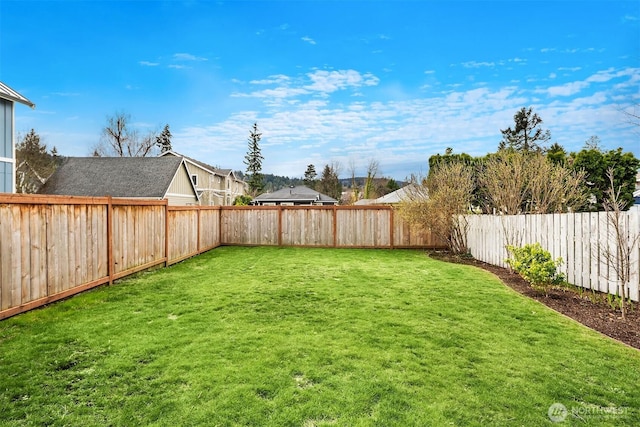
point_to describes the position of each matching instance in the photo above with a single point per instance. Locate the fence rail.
(585, 242)
(52, 247)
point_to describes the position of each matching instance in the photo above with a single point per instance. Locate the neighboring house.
(215, 187)
(154, 178)
(636, 194)
(408, 192)
(294, 196)
(8, 97)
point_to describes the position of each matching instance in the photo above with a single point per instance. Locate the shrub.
(242, 200)
(535, 265)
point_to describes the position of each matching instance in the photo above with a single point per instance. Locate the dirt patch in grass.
(590, 309)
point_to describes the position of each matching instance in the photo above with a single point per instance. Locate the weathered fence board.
(250, 226)
(209, 228)
(585, 242)
(307, 227)
(52, 247)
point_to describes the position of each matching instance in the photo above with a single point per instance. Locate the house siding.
(181, 191)
(208, 185)
(7, 162)
(215, 187)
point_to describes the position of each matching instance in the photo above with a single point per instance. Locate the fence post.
(166, 233)
(335, 226)
(280, 225)
(391, 226)
(198, 219)
(110, 264)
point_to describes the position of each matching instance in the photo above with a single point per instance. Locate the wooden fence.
(52, 247)
(582, 240)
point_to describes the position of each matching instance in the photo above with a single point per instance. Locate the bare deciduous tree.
(120, 140)
(372, 171)
(625, 243)
(519, 182)
(552, 188)
(439, 203)
(503, 181)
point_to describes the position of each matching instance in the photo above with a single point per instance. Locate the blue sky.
(326, 81)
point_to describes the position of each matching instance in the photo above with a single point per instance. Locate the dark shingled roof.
(300, 194)
(148, 177)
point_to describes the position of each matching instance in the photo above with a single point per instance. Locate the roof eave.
(21, 100)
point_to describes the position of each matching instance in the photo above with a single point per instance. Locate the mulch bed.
(589, 309)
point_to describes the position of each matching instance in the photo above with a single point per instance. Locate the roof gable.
(211, 169)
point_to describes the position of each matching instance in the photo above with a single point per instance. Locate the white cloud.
(567, 89)
(308, 40)
(400, 133)
(476, 64)
(275, 79)
(187, 57)
(319, 82)
(331, 81)
(148, 63)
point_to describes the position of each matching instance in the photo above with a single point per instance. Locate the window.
(194, 179)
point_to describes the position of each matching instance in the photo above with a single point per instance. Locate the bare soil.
(589, 308)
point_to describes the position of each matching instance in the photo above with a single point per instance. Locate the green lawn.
(310, 337)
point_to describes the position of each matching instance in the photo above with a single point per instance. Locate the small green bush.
(242, 200)
(536, 266)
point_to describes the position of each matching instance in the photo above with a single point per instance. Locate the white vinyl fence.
(582, 240)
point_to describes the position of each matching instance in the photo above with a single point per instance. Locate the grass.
(310, 337)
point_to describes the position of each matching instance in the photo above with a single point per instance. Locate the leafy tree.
(557, 154)
(242, 200)
(34, 164)
(310, 176)
(595, 164)
(527, 133)
(163, 141)
(329, 183)
(449, 157)
(120, 140)
(253, 160)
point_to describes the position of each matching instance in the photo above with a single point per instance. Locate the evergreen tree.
(253, 160)
(34, 164)
(164, 140)
(527, 134)
(310, 176)
(329, 183)
(392, 185)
